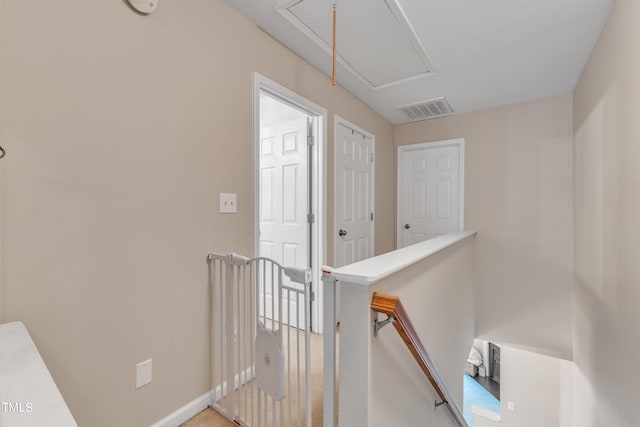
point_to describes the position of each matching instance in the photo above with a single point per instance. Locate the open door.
(284, 200)
(289, 196)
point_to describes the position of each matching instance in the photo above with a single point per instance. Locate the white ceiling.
(476, 53)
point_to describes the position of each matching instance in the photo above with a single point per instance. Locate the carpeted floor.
(210, 418)
(475, 394)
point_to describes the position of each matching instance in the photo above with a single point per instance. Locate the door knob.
(407, 226)
(342, 233)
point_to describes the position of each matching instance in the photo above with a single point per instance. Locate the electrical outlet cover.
(143, 373)
(228, 203)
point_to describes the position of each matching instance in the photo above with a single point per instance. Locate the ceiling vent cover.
(430, 109)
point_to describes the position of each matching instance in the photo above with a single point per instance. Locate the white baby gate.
(260, 356)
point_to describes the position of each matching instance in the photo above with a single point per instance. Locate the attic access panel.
(376, 42)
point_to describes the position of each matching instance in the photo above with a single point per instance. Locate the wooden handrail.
(392, 307)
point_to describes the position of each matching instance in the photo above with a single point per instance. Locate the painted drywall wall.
(437, 294)
(607, 226)
(121, 131)
(534, 383)
(518, 196)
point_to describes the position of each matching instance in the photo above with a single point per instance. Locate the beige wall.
(607, 226)
(380, 382)
(437, 294)
(121, 131)
(534, 383)
(518, 196)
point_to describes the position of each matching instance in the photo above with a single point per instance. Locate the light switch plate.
(143, 373)
(511, 406)
(228, 203)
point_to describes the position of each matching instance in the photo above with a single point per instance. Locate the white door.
(353, 196)
(429, 190)
(284, 204)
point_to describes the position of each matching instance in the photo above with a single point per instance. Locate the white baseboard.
(485, 413)
(185, 413)
(201, 403)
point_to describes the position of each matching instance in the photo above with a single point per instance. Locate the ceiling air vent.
(437, 107)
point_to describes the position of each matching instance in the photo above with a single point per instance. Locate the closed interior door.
(354, 190)
(354, 196)
(284, 203)
(429, 192)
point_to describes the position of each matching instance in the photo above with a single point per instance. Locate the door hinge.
(371, 155)
(310, 138)
(311, 218)
(371, 216)
(313, 296)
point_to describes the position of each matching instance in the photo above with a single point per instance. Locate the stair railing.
(391, 306)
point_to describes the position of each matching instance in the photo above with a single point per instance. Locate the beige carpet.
(210, 418)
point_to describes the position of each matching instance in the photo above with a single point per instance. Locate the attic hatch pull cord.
(333, 81)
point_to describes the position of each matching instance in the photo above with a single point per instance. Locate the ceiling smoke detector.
(430, 109)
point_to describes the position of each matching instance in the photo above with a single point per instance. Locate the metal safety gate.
(260, 348)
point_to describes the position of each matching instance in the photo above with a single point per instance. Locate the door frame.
(402, 149)
(318, 181)
(341, 120)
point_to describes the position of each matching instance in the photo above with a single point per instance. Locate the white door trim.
(340, 120)
(318, 180)
(459, 142)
